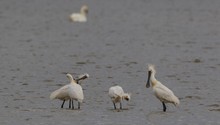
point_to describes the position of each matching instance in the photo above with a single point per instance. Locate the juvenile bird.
(116, 93)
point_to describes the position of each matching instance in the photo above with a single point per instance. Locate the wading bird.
(116, 93)
(164, 94)
(72, 91)
(78, 81)
(80, 17)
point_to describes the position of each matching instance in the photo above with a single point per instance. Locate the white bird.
(80, 17)
(72, 91)
(78, 81)
(116, 93)
(164, 94)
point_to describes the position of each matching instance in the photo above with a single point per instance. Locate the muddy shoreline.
(38, 45)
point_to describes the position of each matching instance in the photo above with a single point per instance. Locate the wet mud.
(38, 45)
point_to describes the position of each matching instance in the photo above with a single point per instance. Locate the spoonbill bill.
(81, 77)
(72, 91)
(116, 93)
(164, 94)
(80, 17)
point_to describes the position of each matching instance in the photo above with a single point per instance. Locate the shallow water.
(38, 45)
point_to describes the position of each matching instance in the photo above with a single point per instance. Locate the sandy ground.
(38, 45)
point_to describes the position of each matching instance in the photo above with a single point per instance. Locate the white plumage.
(116, 93)
(164, 94)
(72, 91)
(80, 17)
(61, 93)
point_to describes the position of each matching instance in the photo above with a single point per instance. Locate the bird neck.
(153, 79)
(126, 96)
(71, 79)
(82, 12)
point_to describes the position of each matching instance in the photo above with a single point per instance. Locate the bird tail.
(53, 95)
(176, 101)
(71, 19)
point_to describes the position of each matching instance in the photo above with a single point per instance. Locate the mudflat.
(39, 45)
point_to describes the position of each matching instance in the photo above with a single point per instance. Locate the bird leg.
(78, 105)
(164, 107)
(72, 105)
(114, 105)
(62, 103)
(69, 103)
(120, 105)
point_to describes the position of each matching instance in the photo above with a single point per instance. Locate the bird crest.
(151, 67)
(127, 96)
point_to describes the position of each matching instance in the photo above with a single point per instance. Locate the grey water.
(38, 45)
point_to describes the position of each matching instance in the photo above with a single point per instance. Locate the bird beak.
(148, 79)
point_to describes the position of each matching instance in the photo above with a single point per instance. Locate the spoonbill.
(80, 17)
(116, 93)
(72, 91)
(164, 94)
(78, 81)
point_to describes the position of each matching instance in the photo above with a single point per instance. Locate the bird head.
(127, 96)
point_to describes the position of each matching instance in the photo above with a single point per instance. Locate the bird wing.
(116, 91)
(75, 92)
(164, 94)
(77, 17)
(61, 93)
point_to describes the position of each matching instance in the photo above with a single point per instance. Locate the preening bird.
(72, 91)
(164, 94)
(116, 93)
(80, 17)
